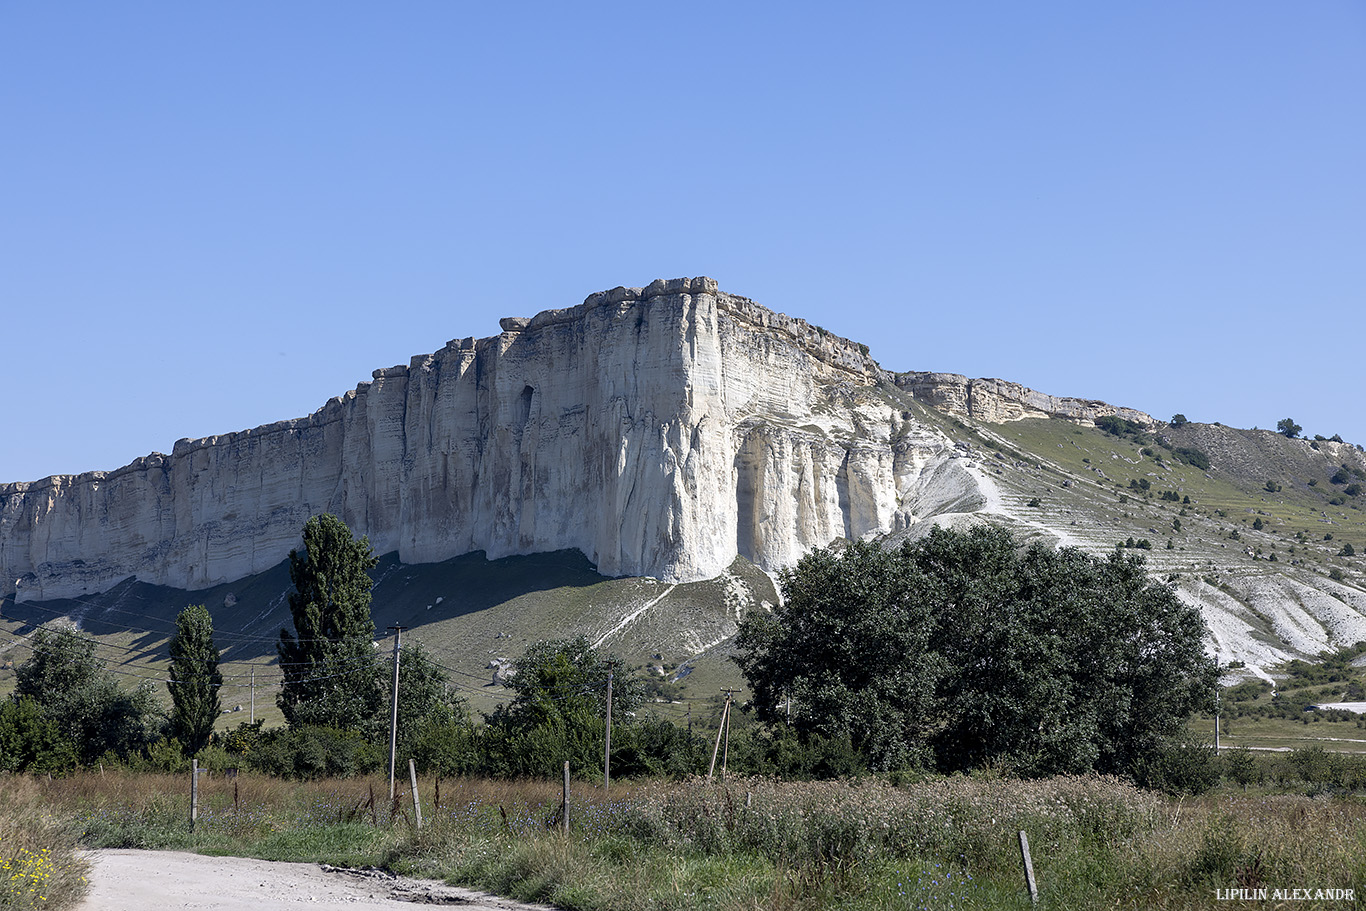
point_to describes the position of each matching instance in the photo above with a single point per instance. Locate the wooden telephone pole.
(393, 716)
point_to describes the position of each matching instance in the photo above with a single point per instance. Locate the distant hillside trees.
(1193, 457)
(1118, 426)
(1288, 428)
(1177, 420)
(963, 650)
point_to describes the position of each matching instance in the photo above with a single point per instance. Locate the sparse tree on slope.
(1288, 428)
(195, 679)
(331, 673)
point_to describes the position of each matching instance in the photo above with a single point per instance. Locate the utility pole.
(725, 719)
(725, 753)
(393, 717)
(253, 694)
(607, 751)
(1218, 692)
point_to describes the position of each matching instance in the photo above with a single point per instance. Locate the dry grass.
(39, 866)
(750, 844)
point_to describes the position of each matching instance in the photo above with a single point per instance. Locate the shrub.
(1181, 766)
(309, 752)
(1347, 551)
(31, 742)
(1193, 457)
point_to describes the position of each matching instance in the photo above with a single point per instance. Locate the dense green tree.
(425, 697)
(1177, 420)
(1288, 428)
(195, 680)
(70, 683)
(558, 710)
(567, 678)
(331, 672)
(30, 741)
(848, 653)
(965, 649)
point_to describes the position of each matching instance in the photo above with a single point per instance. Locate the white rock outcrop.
(661, 431)
(1000, 401)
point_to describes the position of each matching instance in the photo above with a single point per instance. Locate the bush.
(307, 752)
(1192, 457)
(1241, 767)
(31, 742)
(446, 749)
(1180, 766)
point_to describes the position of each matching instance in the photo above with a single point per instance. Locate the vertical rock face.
(661, 431)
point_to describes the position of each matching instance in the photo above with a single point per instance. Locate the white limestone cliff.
(661, 431)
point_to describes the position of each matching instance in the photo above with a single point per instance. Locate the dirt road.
(178, 881)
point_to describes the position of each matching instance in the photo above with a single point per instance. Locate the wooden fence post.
(564, 807)
(1028, 868)
(417, 806)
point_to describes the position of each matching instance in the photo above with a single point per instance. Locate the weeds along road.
(126, 880)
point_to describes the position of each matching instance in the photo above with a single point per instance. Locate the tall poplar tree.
(195, 679)
(331, 673)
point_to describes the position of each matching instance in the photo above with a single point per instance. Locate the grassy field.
(1295, 519)
(466, 612)
(745, 844)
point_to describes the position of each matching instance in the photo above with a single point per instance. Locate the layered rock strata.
(999, 401)
(661, 431)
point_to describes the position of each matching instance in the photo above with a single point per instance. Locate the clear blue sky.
(214, 216)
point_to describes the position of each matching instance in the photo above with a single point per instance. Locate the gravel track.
(124, 880)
